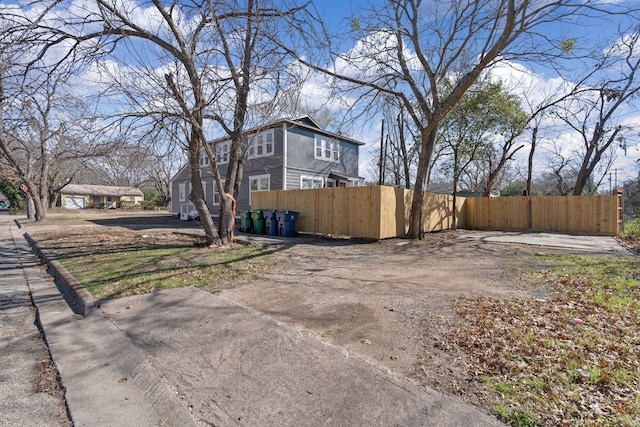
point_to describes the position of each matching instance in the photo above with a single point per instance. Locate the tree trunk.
(403, 148)
(589, 163)
(534, 137)
(197, 196)
(416, 226)
(454, 226)
(493, 174)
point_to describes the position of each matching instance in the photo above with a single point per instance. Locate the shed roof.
(101, 190)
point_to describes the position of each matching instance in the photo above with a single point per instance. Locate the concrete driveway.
(599, 244)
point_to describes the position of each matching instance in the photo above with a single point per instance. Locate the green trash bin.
(258, 222)
(246, 223)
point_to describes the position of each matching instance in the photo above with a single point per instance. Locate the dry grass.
(571, 359)
(116, 262)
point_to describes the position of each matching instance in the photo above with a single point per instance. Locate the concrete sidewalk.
(186, 357)
(22, 348)
(107, 381)
(236, 366)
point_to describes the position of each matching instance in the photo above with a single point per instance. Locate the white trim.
(222, 150)
(284, 155)
(314, 179)
(253, 146)
(259, 179)
(215, 192)
(329, 149)
(204, 159)
(182, 191)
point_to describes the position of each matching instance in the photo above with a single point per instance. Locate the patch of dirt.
(47, 377)
(392, 301)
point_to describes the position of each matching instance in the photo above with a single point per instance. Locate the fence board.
(379, 212)
(375, 212)
(570, 214)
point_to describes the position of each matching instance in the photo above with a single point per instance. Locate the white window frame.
(182, 187)
(204, 159)
(216, 195)
(261, 145)
(259, 181)
(222, 150)
(326, 149)
(314, 180)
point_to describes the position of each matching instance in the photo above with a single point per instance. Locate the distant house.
(284, 155)
(75, 196)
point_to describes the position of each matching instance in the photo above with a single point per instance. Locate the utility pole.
(382, 159)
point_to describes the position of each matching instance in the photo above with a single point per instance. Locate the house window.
(261, 145)
(182, 191)
(216, 194)
(309, 182)
(204, 190)
(259, 183)
(353, 183)
(222, 152)
(327, 149)
(204, 159)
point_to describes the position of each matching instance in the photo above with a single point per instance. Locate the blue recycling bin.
(287, 223)
(271, 220)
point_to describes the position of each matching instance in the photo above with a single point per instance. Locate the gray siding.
(300, 154)
(300, 162)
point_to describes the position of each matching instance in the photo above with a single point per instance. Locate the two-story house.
(286, 154)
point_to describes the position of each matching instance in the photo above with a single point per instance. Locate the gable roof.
(308, 123)
(101, 190)
(304, 122)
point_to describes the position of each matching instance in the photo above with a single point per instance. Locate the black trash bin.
(271, 220)
(287, 223)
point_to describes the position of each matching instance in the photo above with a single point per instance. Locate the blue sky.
(534, 74)
(335, 11)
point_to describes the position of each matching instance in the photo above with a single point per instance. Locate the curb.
(78, 298)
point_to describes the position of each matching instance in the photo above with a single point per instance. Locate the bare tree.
(196, 63)
(44, 138)
(407, 47)
(398, 153)
(596, 108)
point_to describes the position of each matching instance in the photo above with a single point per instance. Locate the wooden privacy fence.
(380, 212)
(371, 212)
(596, 215)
